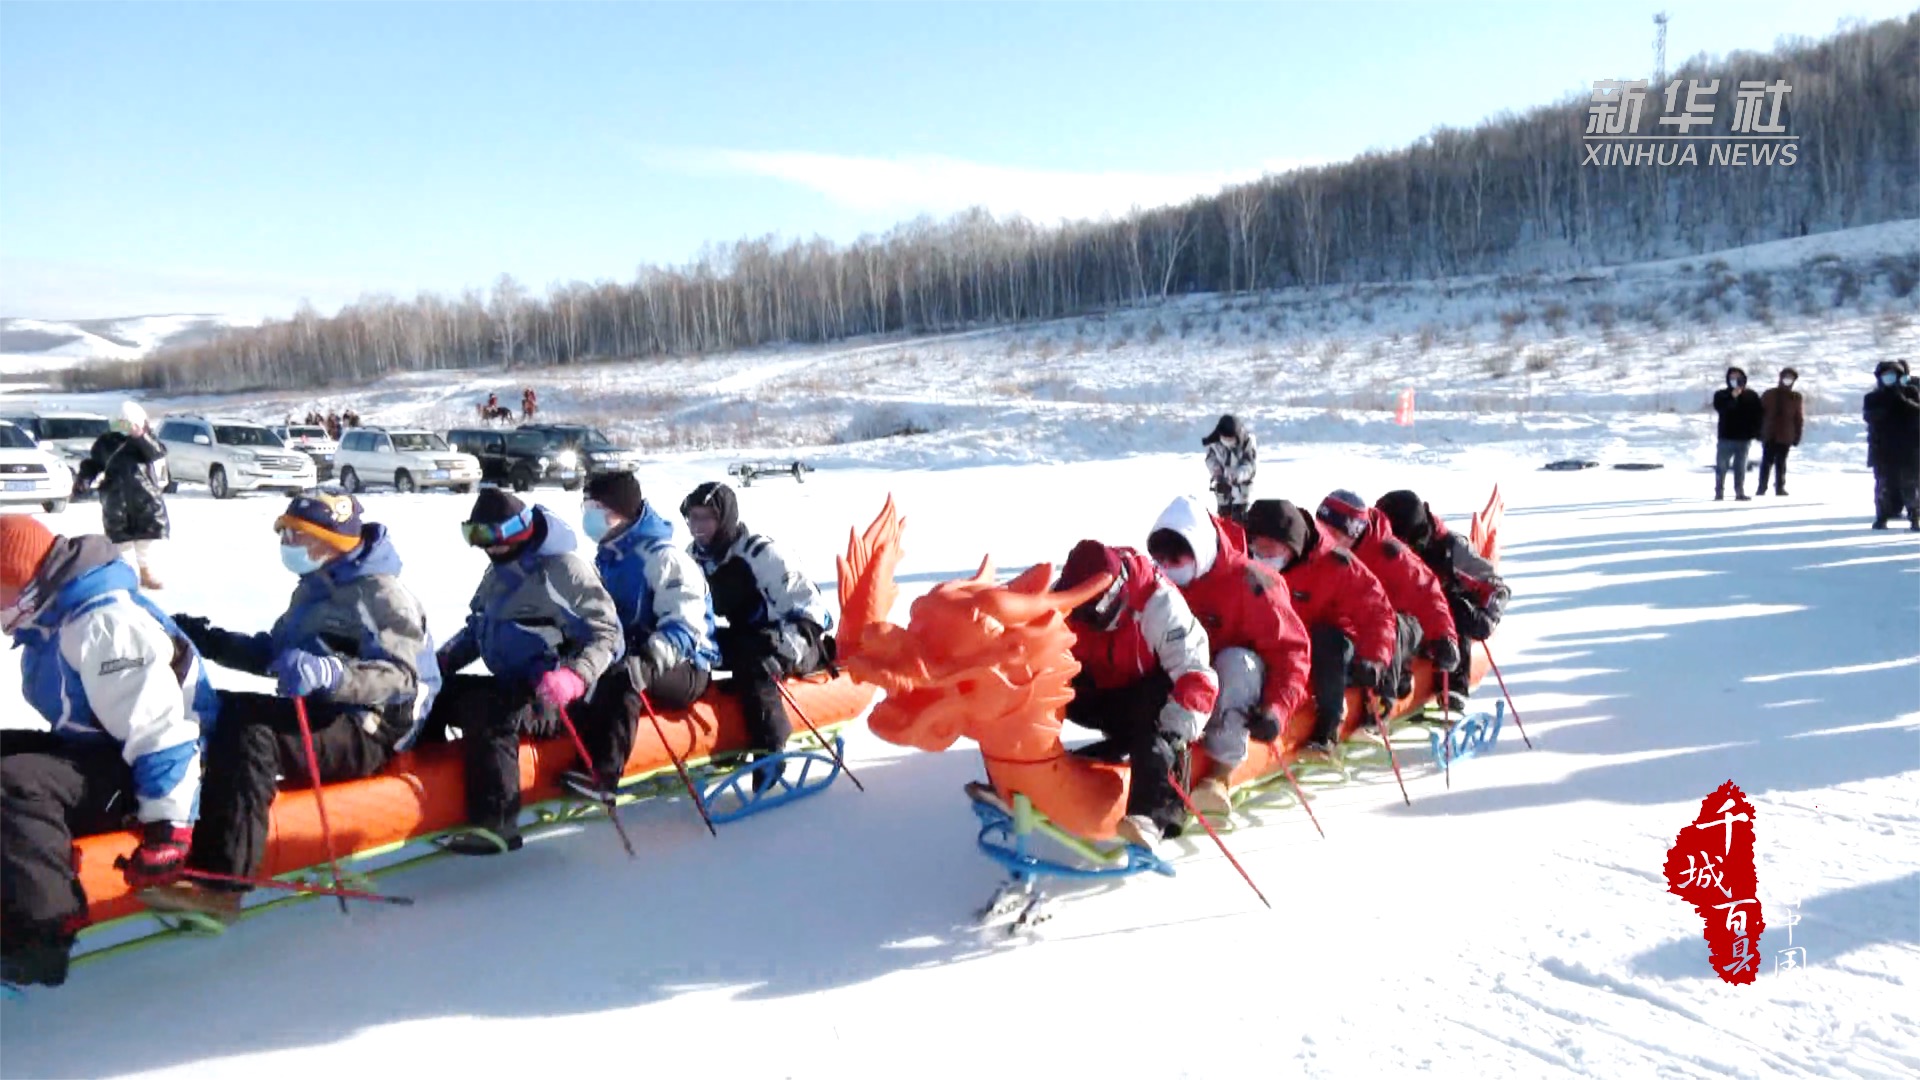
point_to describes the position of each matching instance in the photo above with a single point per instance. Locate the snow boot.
(1138, 830)
(192, 898)
(1879, 523)
(39, 960)
(595, 788)
(1211, 796)
(148, 581)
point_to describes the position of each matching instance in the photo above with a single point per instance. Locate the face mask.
(1736, 382)
(1180, 575)
(593, 522)
(298, 559)
(1788, 383)
(1890, 378)
(1277, 562)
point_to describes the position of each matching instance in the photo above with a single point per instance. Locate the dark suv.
(516, 459)
(585, 448)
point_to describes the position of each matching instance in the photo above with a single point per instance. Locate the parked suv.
(516, 459)
(409, 460)
(31, 473)
(585, 448)
(231, 455)
(66, 435)
(312, 441)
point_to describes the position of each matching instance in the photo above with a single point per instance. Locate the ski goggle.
(493, 534)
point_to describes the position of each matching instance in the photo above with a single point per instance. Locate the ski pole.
(1298, 792)
(831, 749)
(1201, 818)
(319, 800)
(290, 886)
(586, 762)
(1505, 691)
(1372, 706)
(678, 765)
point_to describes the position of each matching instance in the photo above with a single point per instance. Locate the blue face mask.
(298, 559)
(1889, 378)
(593, 522)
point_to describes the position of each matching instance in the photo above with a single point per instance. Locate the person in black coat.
(1740, 421)
(128, 467)
(1892, 412)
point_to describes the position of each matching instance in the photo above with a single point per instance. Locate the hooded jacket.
(1892, 414)
(753, 587)
(1740, 413)
(129, 472)
(1782, 415)
(1330, 587)
(658, 590)
(103, 664)
(1410, 584)
(1242, 605)
(1156, 631)
(355, 609)
(1463, 574)
(542, 609)
(1232, 467)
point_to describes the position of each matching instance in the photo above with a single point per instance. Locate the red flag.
(1710, 865)
(1403, 412)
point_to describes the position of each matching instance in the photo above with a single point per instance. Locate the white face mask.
(1181, 575)
(1277, 562)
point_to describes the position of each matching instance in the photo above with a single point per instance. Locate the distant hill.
(29, 345)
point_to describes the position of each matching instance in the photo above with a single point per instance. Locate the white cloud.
(941, 185)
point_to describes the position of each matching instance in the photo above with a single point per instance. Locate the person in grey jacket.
(353, 643)
(548, 631)
(1232, 459)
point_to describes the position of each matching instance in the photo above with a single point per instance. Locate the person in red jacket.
(1347, 615)
(1260, 648)
(1419, 603)
(1476, 595)
(1146, 679)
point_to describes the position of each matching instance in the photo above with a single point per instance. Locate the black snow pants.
(492, 715)
(53, 791)
(610, 715)
(748, 654)
(1129, 716)
(1406, 647)
(1332, 656)
(1773, 462)
(255, 744)
(1896, 489)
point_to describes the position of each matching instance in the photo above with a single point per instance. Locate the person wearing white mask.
(666, 613)
(1740, 417)
(1232, 458)
(128, 466)
(1260, 647)
(1783, 418)
(353, 642)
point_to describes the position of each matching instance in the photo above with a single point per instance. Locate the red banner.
(1710, 866)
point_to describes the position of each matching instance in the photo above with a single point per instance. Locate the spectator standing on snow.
(130, 467)
(1231, 459)
(1782, 419)
(1892, 413)
(1740, 417)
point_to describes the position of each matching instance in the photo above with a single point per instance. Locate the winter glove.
(197, 629)
(645, 664)
(444, 661)
(161, 857)
(1443, 652)
(1264, 726)
(1368, 675)
(304, 674)
(1179, 724)
(559, 688)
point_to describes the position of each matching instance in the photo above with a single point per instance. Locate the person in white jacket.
(1232, 458)
(127, 704)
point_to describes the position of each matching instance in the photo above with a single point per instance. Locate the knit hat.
(132, 415)
(1088, 560)
(24, 544)
(1278, 519)
(1408, 516)
(494, 506)
(1344, 512)
(618, 492)
(332, 517)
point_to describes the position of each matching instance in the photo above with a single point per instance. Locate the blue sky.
(236, 158)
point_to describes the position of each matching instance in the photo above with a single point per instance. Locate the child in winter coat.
(547, 629)
(666, 617)
(1232, 458)
(128, 702)
(1146, 678)
(353, 644)
(1782, 419)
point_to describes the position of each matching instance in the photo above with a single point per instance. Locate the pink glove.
(560, 687)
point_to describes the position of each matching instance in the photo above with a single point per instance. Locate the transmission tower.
(1660, 49)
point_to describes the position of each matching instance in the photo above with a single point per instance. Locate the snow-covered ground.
(1515, 925)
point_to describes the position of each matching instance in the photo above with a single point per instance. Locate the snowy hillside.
(43, 344)
(1512, 925)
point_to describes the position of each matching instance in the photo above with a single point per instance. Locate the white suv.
(312, 441)
(409, 460)
(231, 455)
(68, 436)
(31, 474)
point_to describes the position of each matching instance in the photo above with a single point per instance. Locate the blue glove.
(303, 674)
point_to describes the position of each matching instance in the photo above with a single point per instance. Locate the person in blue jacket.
(547, 630)
(128, 705)
(666, 617)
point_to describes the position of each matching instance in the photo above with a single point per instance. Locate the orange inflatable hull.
(424, 791)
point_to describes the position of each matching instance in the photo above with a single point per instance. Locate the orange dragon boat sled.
(389, 820)
(994, 663)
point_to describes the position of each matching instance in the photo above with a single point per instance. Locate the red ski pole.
(1298, 792)
(586, 762)
(678, 765)
(822, 739)
(1507, 693)
(1201, 818)
(1368, 703)
(319, 800)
